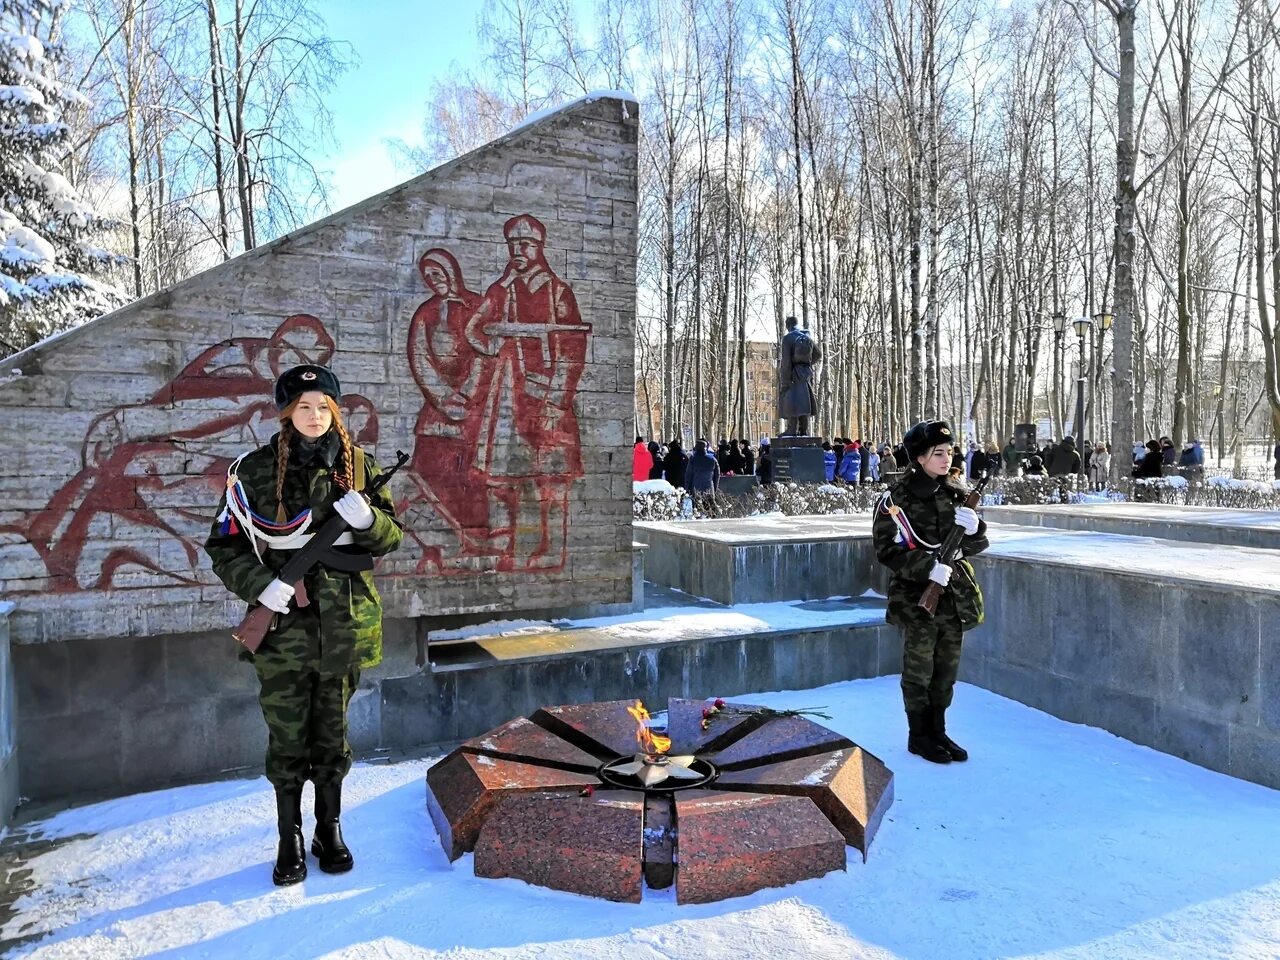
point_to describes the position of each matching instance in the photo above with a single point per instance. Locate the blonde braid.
(282, 458)
(344, 478)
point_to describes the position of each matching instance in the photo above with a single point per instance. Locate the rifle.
(257, 622)
(950, 549)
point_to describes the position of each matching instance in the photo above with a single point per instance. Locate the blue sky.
(403, 45)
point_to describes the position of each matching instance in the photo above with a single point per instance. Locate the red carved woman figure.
(452, 376)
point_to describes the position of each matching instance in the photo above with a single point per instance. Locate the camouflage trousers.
(930, 662)
(306, 715)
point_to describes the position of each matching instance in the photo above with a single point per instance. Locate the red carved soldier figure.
(528, 443)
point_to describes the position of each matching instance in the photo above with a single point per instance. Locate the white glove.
(277, 596)
(967, 517)
(940, 574)
(355, 509)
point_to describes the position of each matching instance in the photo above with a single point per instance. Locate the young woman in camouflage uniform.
(911, 521)
(309, 664)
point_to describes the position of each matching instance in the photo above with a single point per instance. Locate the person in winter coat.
(309, 665)
(764, 465)
(872, 465)
(829, 460)
(1168, 453)
(641, 461)
(722, 455)
(993, 462)
(1099, 467)
(957, 457)
(733, 458)
(911, 521)
(674, 463)
(1152, 463)
(655, 454)
(850, 469)
(1066, 459)
(1046, 452)
(1276, 456)
(703, 472)
(1012, 458)
(748, 458)
(1035, 467)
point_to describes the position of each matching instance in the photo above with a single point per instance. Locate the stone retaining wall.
(1192, 669)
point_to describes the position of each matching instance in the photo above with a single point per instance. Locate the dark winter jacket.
(1065, 459)
(734, 460)
(673, 465)
(748, 461)
(702, 475)
(655, 453)
(1012, 458)
(911, 521)
(850, 469)
(764, 467)
(1151, 465)
(343, 626)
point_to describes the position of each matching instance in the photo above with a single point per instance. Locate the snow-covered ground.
(1054, 841)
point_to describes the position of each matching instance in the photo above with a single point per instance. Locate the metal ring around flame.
(657, 773)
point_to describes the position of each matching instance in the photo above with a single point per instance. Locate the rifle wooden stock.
(258, 620)
(949, 551)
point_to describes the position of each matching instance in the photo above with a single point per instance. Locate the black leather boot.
(291, 858)
(938, 719)
(327, 845)
(920, 738)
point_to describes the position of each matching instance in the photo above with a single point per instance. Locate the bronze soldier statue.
(798, 357)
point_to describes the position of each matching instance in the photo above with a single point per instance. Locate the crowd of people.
(851, 461)
(700, 470)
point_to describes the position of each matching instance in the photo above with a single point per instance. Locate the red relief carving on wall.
(498, 444)
(138, 484)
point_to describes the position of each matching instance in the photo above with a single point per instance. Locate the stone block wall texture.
(1191, 669)
(498, 352)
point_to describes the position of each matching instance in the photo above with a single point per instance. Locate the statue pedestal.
(798, 460)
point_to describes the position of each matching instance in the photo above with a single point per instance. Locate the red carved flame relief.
(146, 466)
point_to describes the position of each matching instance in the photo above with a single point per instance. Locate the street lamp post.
(1082, 325)
(1059, 332)
(1103, 321)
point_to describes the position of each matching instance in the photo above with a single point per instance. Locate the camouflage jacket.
(343, 625)
(909, 547)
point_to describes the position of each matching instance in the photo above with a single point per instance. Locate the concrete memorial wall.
(480, 317)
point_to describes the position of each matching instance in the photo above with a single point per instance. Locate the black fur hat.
(926, 435)
(296, 381)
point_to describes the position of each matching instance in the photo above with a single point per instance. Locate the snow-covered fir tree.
(48, 260)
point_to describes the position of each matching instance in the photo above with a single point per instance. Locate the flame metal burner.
(657, 773)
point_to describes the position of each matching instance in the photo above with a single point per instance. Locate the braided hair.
(343, 476)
